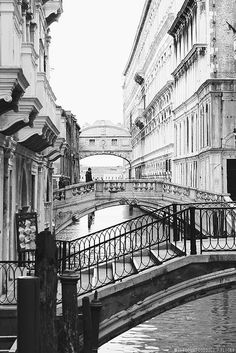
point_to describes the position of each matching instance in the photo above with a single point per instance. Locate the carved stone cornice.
(42, 135)
(183, 17)
(196, 51)
(12, 86)
(64, 147)
(54, 152)
(10, 147)
(53, 10)
(12, 122)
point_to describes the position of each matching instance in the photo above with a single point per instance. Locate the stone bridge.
(105, 138)
(133, 301)
(78, 200)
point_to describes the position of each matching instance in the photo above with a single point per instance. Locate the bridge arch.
(132, 302)
(64, 218)
(105, 138)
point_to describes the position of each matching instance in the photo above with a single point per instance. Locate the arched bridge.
(152, 263)
(105, 137)
(78, 200)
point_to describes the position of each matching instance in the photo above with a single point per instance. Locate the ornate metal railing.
(132, 246)
(217, 227)
(145, 241)
(9, 272)
(67, 250)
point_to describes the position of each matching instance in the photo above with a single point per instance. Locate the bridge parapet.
(80, 199)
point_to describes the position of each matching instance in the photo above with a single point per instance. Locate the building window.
(114, 142)
(92, 142)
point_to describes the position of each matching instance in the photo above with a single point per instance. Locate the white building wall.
(189, 43)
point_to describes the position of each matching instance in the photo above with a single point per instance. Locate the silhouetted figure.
(90, 219)
(61, 182)
(88, 176)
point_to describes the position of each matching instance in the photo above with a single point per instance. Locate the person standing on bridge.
(88, 176)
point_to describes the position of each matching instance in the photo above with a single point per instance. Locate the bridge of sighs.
(105, 138)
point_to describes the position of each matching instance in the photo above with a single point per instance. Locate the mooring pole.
(69, 281)
(87, 325)
(46, 269)
(96, 307)
(28, 317)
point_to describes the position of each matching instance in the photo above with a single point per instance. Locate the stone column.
(8, 206)
(1, 200)
(40, 198)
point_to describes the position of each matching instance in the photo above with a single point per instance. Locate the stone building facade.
(181, 110)
(30, 139)
(67, 165)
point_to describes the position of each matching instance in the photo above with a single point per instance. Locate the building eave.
(39, 137)
(12, 86)
(181, 16)
(138, 35)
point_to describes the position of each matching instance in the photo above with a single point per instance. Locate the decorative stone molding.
(41, 136)
(28, 109)
(183, 17)
(12, 86)
(196, 51)
(53, 10)
(10, 148)
(138, 78)
(55, 152)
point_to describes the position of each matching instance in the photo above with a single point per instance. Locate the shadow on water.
(206, 325)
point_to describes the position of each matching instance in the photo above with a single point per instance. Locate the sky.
(89, 50)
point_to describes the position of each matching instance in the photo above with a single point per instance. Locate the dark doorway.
(231, 178)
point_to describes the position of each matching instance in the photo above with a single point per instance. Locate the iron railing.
(132, 246)
(9, 272)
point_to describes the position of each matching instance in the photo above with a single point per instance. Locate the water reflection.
(207, 325)
(99, 220)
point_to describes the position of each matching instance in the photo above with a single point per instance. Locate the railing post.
(87, 325)
(193, 247)
(28, 318)
(96, 307)
(175, 229)
(70, 311)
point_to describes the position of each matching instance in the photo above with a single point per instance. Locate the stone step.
(6, 343)
(162, 255)
(143, 261)
(122, 268)
(85, 281)
(102, 275)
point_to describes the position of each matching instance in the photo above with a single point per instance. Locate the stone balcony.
(12, 86)
(52, 10)
(41, 136)
(45, 94)
(56, 151)
(28, 109)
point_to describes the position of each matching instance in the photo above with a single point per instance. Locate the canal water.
(206, 325)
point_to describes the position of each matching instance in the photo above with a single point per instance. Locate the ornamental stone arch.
(105, 138)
